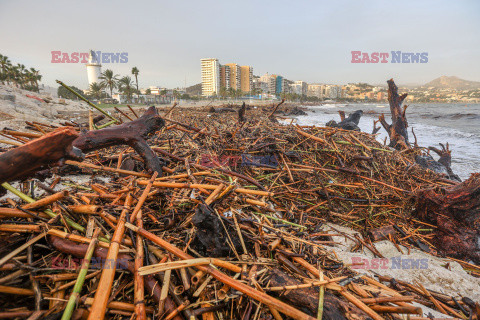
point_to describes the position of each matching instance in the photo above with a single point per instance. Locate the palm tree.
(13, 74)
(21, 75)
(223, 92)
(135, 72)
(126, 86)
(28, 80)
(5, 65)
(109, 80)
(231, 92)
(35, 78)
(96, 90)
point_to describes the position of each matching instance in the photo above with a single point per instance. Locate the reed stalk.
(72, 301)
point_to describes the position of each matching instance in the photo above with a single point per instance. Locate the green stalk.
(107, 124)
(281, 220)
(320, 299)
(84, 99)
(72, 301)
(49, 212)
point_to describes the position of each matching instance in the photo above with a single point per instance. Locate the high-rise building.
(246, 78)
(234, 75)
(315, 90)
(216, 76)
(333, 91)
(302, 87)
(210, 77)
(224, 77)
(279, 84)
(276, 84)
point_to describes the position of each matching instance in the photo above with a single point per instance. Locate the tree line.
(110, 81)
(19, 75)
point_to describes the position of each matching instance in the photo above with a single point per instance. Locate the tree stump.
(397, 131)
(455, 210)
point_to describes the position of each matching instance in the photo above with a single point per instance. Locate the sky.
(300, 40)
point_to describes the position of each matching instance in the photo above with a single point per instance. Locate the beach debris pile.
(194, 214)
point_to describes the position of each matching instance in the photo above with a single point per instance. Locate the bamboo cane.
(102, 168)
(387, 299)
(139, 285)
(400, 310)
(105, 284)
(49, 212)
(16, 213)
(46, 200)
(72, 301)
(160, 184)
(143, 197)
(20, 227)
(85, 209)
(320, 298)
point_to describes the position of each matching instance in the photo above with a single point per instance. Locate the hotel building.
(210, 77)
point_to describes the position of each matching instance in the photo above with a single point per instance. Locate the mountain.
(453, 83)
(194, 90)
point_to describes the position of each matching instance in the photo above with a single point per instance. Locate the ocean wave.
(469, 116)
(325, 106)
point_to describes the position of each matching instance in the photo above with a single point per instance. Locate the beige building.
(210, 77)
(224, 77)
(315, 90)
(246, 78)
(216, 76)
(234, 75)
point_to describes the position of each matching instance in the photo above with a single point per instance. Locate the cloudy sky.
(301, 40)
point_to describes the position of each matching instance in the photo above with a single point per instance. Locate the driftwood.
(455, 211)
(132, 133)
(349, 123)
(271, 116)
(397, 131)
(445, 160)
(49, 150)
(241, 113)
(306, 299)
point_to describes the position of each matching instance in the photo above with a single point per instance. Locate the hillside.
(453, 83)
(194, 90)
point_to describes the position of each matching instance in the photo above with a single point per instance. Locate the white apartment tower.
(210, 77)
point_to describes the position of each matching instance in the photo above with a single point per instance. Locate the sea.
(433, 123)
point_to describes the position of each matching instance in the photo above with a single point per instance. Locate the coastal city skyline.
(318, 50)
(240, 160)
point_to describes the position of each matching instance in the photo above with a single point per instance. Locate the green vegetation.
(135, 72)
(96, 91)
(109, 80)
(64, 93)
(126, 87)
(18, 75)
